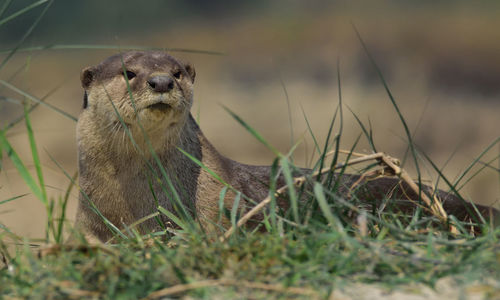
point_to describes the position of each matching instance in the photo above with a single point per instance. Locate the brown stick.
(296, 182)
(436, 206)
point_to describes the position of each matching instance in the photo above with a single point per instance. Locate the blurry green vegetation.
(87, 20)
(83, 20)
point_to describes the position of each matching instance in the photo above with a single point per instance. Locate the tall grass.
(322, 243)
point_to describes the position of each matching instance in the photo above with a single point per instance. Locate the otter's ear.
(87, 76)
(190, 69)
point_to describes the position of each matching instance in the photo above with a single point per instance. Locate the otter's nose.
(161, 83)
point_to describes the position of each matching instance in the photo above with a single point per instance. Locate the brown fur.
(115, 174)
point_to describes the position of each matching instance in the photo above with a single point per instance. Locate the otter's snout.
(161, 83)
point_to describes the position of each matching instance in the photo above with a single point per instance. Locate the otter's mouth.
(160, 106)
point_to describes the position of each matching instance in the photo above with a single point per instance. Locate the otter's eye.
(129, 75)
(177, 74)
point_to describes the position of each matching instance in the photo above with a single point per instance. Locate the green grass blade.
(208, 170)
(323, 205)
(290, 119)
(91, 204)
(222, 196)
(459, 225)
(313, 136)
(1, 157)
(444, 166)
(454, 190)
(415, 130)
(32, 107)
(488, 164)
(213, 174)
(339, 86)
(11, 100)
(5, 6)
(253, 132)
(26, 34)
(376, 219)
(157, 203)
(22, 68)
(272, 192)
(321, 161)
(34, 153)
(342, 169)
(367, 133)
(291, 188)
(339, 135)
(174, 218)
(411, 144)
(20, 118)
(476, 160)
(177, 204)
(292, 149)
(110, 47)
(484, 166)
(19, 12)
(38, 169)
(60, 225)
(12, 199)
(36, 100)
(21, 168)
(234, 209)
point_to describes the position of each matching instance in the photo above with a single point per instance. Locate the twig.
(400, 172)
(298, 181)
(348, 153)
(435, 206)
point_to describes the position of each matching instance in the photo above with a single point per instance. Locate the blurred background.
(441, 60)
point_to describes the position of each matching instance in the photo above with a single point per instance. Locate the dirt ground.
(445, 288)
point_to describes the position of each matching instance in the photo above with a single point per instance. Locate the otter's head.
(152, 90)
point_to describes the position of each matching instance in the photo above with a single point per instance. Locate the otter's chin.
(160, 106)
(159, 117)
(157, 112)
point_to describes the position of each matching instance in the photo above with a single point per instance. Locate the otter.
(135, 119)
(149, 93)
